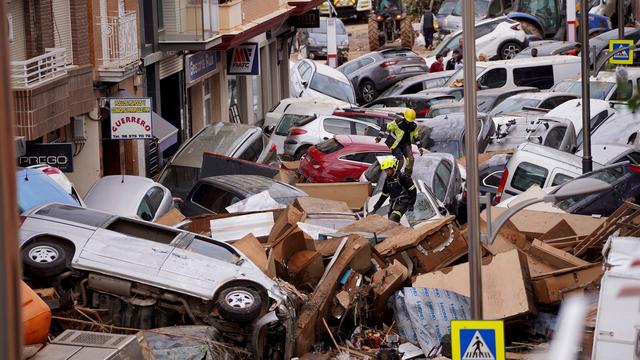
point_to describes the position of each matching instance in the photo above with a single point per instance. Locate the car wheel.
(239, 304)
(302, 151)
(368, 91)
(509, 50)
(44, 259)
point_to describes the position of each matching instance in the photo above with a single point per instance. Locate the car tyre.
(239, 304)
(302, 151)
(406, 34)
(374, 37)
(509, 50)
(368, 91)
(44, 259)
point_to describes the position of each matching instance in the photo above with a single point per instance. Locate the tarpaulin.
(424, 315)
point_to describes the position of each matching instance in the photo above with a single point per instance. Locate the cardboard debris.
(385, 282)
(506, 284)
(254, 250)
(413, 237)
(171, 218)
(355, 194)
(309, 324)
(285, 248)
(284, 222)
(548, 254)
(327, 247)
(236, 227)
(380, 225)
(625, 219)
(311, 205)
(305, 269)
(290, 165)
(552, 287)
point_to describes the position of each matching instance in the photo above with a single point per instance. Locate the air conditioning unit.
(87, 345)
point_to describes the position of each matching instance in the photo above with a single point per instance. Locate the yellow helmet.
(410, 115)
(388, 163)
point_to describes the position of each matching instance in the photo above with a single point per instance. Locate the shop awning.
(166, 133)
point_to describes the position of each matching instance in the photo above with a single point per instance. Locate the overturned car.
(151, 276)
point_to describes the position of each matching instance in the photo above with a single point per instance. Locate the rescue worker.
(400, 134)
(399, 188)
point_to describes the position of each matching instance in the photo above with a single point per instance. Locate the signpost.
(477, 340)
(624, 57)
(58, 155)
(332, 45)
(130, 118)
(572, 23)
(244, 60)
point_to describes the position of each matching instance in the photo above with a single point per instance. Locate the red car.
(341, 159)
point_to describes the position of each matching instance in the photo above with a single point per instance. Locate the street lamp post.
(586, 91)
(577, 187)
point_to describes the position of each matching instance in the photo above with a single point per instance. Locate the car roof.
(603, 153)
(119, 194)
(426, 96)
(610, 76)
(34, 187)
(423, 77)
(568, 110)
(540, 95)
(551, 153)
(249, 185)
(537, 61)
(515, 90)
(348, 113)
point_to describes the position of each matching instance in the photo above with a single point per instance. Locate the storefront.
(200, 67)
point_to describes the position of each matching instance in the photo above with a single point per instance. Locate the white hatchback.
(310, 79)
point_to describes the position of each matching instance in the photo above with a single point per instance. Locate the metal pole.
(10, 304)
(586, 93)
(620, 19)
(471, 154)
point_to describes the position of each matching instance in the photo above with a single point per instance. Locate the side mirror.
(304, 84)
(349, 34)
(268, 130)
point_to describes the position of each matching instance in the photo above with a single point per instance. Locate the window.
(428, 84)
(527, 175)
(441, 179)
(493, 180)
(332, 87)
(555, 136)
(207, 247)
(143, 230)
(624, 92)
(367, 157)
(74, 214)
(633, 157)
(596, 121)
(483, 30)
(363, 129)
(337, 126)
(304, 69)
(329, 146)
(252, 151)
(212, 198)
(188, 20)
(553, 102)
(286, 123)
(561, 179)
(494, 78)
(537, 76)
(150, 203)
(414, 89)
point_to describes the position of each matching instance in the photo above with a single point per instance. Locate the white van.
(534, 164)
(541, 72)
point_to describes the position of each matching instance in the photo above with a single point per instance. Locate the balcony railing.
(32, 72)
(119, 40)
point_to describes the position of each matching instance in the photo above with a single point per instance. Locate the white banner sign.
(130, 118)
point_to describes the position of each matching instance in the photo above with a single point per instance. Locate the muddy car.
(152, 276)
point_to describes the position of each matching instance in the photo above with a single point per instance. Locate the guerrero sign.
(130, 118)
(244, 60)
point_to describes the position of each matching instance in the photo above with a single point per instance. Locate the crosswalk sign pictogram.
(624, 57)
(477, 340)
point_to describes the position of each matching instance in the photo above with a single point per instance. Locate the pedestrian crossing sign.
(624, 57)
(477, 340)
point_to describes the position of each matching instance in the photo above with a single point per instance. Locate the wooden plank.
(627, 211)
(552, 256)
(309, 323)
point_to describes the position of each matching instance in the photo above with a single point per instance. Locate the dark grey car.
(547, 48)
(213, 194)
(315, 39)
(417, 83)
(373, 73)
(445, 133)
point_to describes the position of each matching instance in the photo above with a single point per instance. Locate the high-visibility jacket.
(394, 134)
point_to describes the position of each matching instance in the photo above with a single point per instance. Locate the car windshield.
(387, 4)
(422, 210)
(608, 175)
(599, 89)
(542, 9)
(447, 146)
(286, 123)
(340, 30)
(180, 179)
(460, 75)
(332, 87)
(485, 102)
(514, 104)
(447, 7)
(482, 8)
(445, 110)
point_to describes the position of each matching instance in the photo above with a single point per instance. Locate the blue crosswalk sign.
(477, 340)
(624, 57)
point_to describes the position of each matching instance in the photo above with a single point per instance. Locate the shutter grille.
(17, 48)
(170, 66)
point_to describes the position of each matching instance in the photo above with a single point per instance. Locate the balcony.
(47, 92)
(118, 50)
(189, 24)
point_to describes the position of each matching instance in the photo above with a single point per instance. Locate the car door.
(298, 76)
(334, 126)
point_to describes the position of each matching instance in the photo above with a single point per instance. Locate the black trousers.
(428, 37)
(398, 207)
(401, 152)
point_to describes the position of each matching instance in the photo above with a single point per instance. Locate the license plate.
(411, 69)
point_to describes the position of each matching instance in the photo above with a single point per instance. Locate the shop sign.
(200, 64)
(244, 60)
(310, 19)
(58, 155)
(130, 118)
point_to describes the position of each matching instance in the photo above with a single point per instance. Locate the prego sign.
(58, 155)
(130, 118)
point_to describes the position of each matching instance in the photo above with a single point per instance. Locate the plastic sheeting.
(424, 315)
(258, 202)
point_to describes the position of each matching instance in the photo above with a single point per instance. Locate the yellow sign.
(624, 57)
(477, 340)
